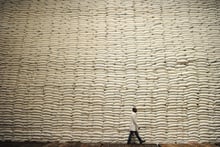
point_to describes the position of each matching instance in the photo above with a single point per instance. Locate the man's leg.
(139, 138)
(129, 137)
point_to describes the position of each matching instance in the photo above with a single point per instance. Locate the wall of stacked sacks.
(72, 70)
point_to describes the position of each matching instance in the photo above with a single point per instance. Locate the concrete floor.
(78, 144)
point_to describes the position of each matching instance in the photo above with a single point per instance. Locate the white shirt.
(133, 124)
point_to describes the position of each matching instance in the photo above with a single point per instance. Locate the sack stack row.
(73, 70)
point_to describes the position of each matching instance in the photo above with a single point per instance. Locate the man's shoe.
(142, 141)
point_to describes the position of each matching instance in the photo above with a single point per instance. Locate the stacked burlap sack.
(73, 70)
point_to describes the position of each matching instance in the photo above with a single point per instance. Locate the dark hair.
(134, 109)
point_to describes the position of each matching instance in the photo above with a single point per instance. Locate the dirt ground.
(78, 144)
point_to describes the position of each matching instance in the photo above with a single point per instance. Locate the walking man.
(134, 127)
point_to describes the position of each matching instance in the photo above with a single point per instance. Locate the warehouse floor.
(78, 144)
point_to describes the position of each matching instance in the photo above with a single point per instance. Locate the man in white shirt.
(134, 127)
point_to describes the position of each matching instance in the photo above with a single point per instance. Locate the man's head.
(134, 109)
